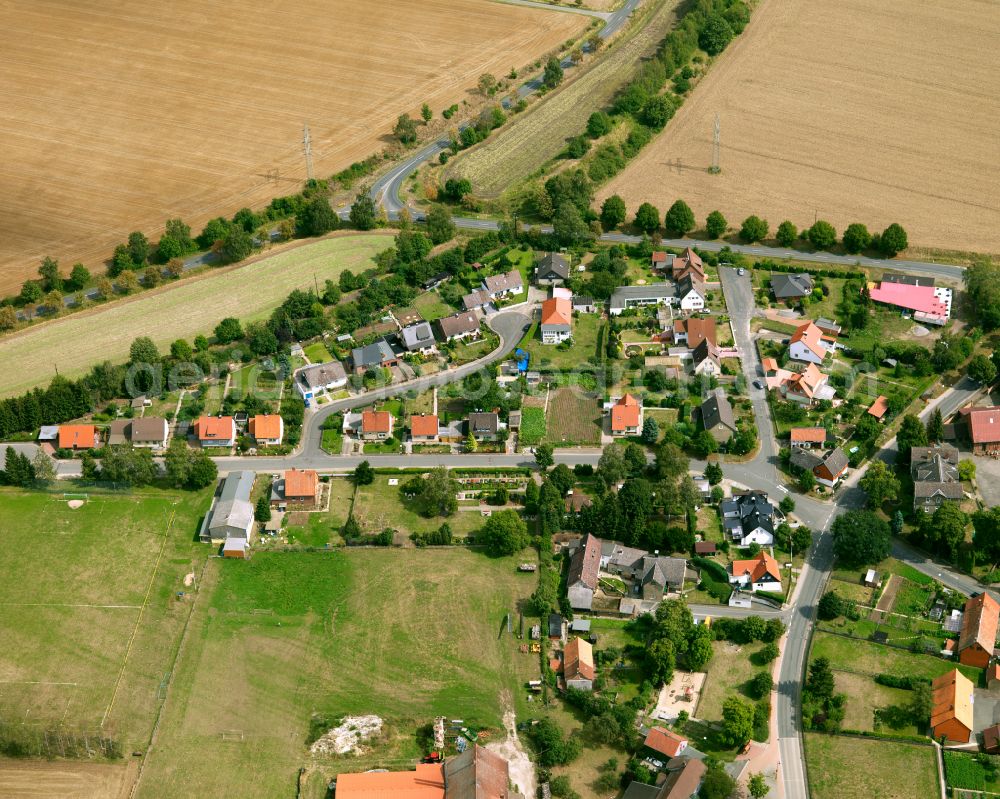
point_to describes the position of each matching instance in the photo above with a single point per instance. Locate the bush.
(715, 570)
(906, 682)
(761, 685)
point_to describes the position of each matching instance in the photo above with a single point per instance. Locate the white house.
(748, 518)
(267, 429)
(690, 294)
(557, 321)
(317, 379)
(500, 286)
(757, 574)
(807, 344)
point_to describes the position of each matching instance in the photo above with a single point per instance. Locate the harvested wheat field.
(875, 111)
(249, 291)
(116, 116)
(35, 779)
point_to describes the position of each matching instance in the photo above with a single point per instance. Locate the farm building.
(267, 429)
(78, 436)
(235, 548)
(426, 782)
(983, 428)
(929, 304)
(578, 664)
(977, 639)
(952, 717)
(584, 567)
(231, 515)
(215, 431)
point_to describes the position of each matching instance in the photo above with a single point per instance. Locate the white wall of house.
(554, 334)
(798, 351)
(692, 301)
(758, 536)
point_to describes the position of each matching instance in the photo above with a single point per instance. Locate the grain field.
(116, 116)
(862, 110)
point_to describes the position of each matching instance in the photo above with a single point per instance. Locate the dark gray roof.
(804, 458)
(579, 299)
(786, 286)
(706, 349)
(663, 571)
(553, 266)
(237, 485)
(909, 280)
(483, 422)
(374, 354)
(639, 790)
(752, 510)
(555, 624)
(935, 471)
(716, 411)
(836, 461)
(652, 292)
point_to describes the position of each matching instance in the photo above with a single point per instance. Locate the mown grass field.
(380, 505)
(532, 139)
(845, 768)
(729, 670)
(77, 342)
(866, 657)
(404, 634)
(549, 356)
(72, 585)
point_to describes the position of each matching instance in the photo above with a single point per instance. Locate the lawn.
(72, 585)
(317, 352)
(729, 670)
(865, 696)
(551, 356)
(431, 307)
(532, 426)
(254, 379)
(466, 352)
(844, 768)
(380, 505)
(323, 527)
(866, 657)
(404, 634)
(182, 310)
(574, 418)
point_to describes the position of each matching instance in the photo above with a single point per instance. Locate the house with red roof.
(584, 567)
(557, 320)
(879, 408)
(215, 431)
(578, 664)
(424, 427)
(688, 264)
(808, 344)
(267, 429)
(756, 574)
(808, 437)
(665, 742)
(626, 416)
(376, 425)
(77, 436)
(299, 487)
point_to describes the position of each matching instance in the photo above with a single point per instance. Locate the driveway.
(987, 476)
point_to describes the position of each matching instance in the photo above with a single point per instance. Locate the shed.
(235, 548)
(580, 626)
(871, 577)
(555, 625)
(991, 739)
(704, 548)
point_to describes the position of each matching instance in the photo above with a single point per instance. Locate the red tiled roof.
(585, 564)
(301, 483)
(557, 311)
(427, 782)
(809, 435)
(267, 426)
(807, 381)
(578, 660)
(759, 567)
(376, 422)
(625, 413)
(984, 425)
(811, 336)
(665, 742)
(424, 425)
(980, 622)
(214, 428)
(77, 436)
(659, 256)
(879, 407)
(698, 330)
(704, 547)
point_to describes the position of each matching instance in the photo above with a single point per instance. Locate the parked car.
(758, 384)
(741, 271)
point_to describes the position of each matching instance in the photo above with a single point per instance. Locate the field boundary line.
(67, 605)
(138, 620)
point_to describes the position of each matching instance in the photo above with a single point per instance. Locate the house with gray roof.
(418, 338)
(717, 417)
(626, 297)
(317, 379)
(828, 466)
(460, 326)
(552, 270)
(372, 356)
(748, 518)
(788, 286)
(935, 477)
(484, 426)
(500, 286)
(231, 515)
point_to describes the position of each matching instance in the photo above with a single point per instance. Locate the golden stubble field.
(116, 116)
(875, 111)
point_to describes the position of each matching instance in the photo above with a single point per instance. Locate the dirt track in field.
(116, 116)
(861, 110)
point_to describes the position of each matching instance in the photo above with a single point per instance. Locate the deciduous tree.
(647, 218)
(715, 224)
(860, 538)
(679, 219)
(753, 229)
(504, 533)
